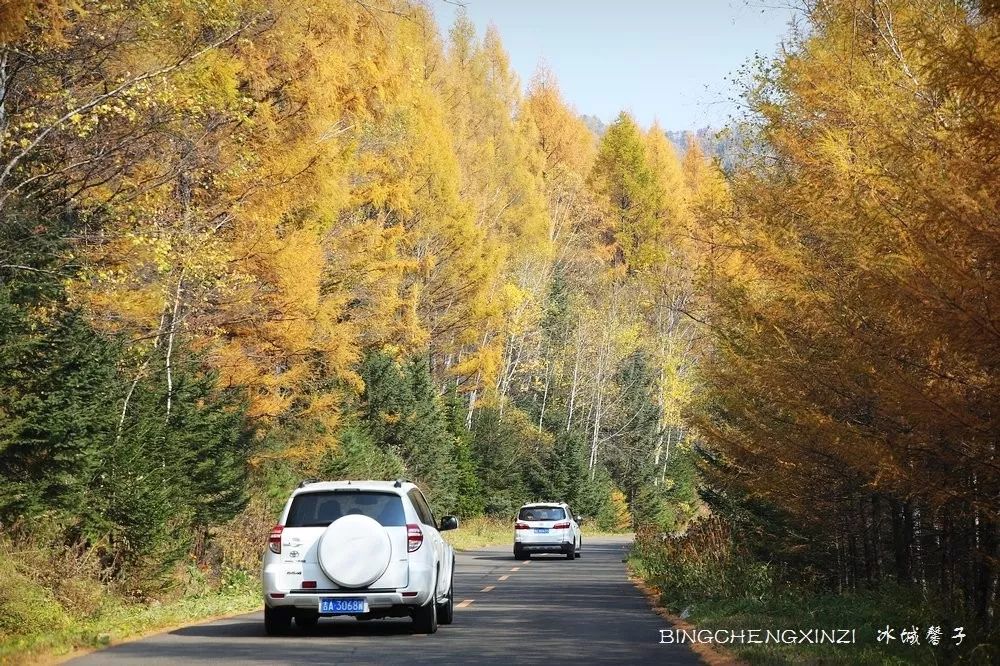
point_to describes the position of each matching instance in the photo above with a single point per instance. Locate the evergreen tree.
(431, 447)
(404, 415)
(635, 429)
(58, 386)
(470, 500)
(58, 378)
(501, 450)
(568, 465)
(165, 478)
(359, 457)
(139, 484)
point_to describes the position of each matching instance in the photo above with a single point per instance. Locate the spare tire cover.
(354, 551)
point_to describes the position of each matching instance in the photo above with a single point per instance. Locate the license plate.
(541, 530)
(343, 606)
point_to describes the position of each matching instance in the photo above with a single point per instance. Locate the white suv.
(547, 527)
(369, 549)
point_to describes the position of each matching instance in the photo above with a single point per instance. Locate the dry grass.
(55, 599)
(480, 532)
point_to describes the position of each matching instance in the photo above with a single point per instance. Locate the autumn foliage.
(248, 242)
(850, 393)
(245, 242)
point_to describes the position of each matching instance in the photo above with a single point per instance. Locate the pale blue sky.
(664, 59)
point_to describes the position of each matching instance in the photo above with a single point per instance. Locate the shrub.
(242, 540)
(26, 606)
(702, 564)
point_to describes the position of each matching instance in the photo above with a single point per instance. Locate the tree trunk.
(174, 323)
(545, 397)
(572, 390)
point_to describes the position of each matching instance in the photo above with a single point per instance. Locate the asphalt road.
(546, 609)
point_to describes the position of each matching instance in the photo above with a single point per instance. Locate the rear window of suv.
(541, 513)
(319, 509)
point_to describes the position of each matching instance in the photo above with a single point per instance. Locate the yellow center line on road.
(488, 588)
(516, 569)
(525, 561)
(465, 603)
(503, 578)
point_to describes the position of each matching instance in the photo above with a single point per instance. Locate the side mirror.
(579, 520)
(449, 523)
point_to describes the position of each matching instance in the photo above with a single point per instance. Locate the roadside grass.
(592, 532)
(484, 531)
(473, 533)
(117, 621)
(866, 613)
(53, 602)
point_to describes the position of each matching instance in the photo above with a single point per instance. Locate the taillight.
(308, 585)
(274, 541)
(522, 526)
(414, 537)
(560, 526)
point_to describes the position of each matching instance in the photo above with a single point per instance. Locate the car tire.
(306, 621)
(518, 553)
(579, 548)
(446, 611)
(425, 618)
(277, 621)
(571, 555)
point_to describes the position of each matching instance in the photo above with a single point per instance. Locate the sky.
(658, 59)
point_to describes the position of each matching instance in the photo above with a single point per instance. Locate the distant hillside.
(596, 125)
(725, 148)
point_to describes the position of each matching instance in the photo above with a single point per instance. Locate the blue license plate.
(541, 530)
(341, 605)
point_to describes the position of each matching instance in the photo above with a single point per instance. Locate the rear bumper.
(561, 547)
(531, 538)
(377, 601)
(418, 592)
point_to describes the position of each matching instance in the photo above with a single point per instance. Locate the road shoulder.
(712, 656)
